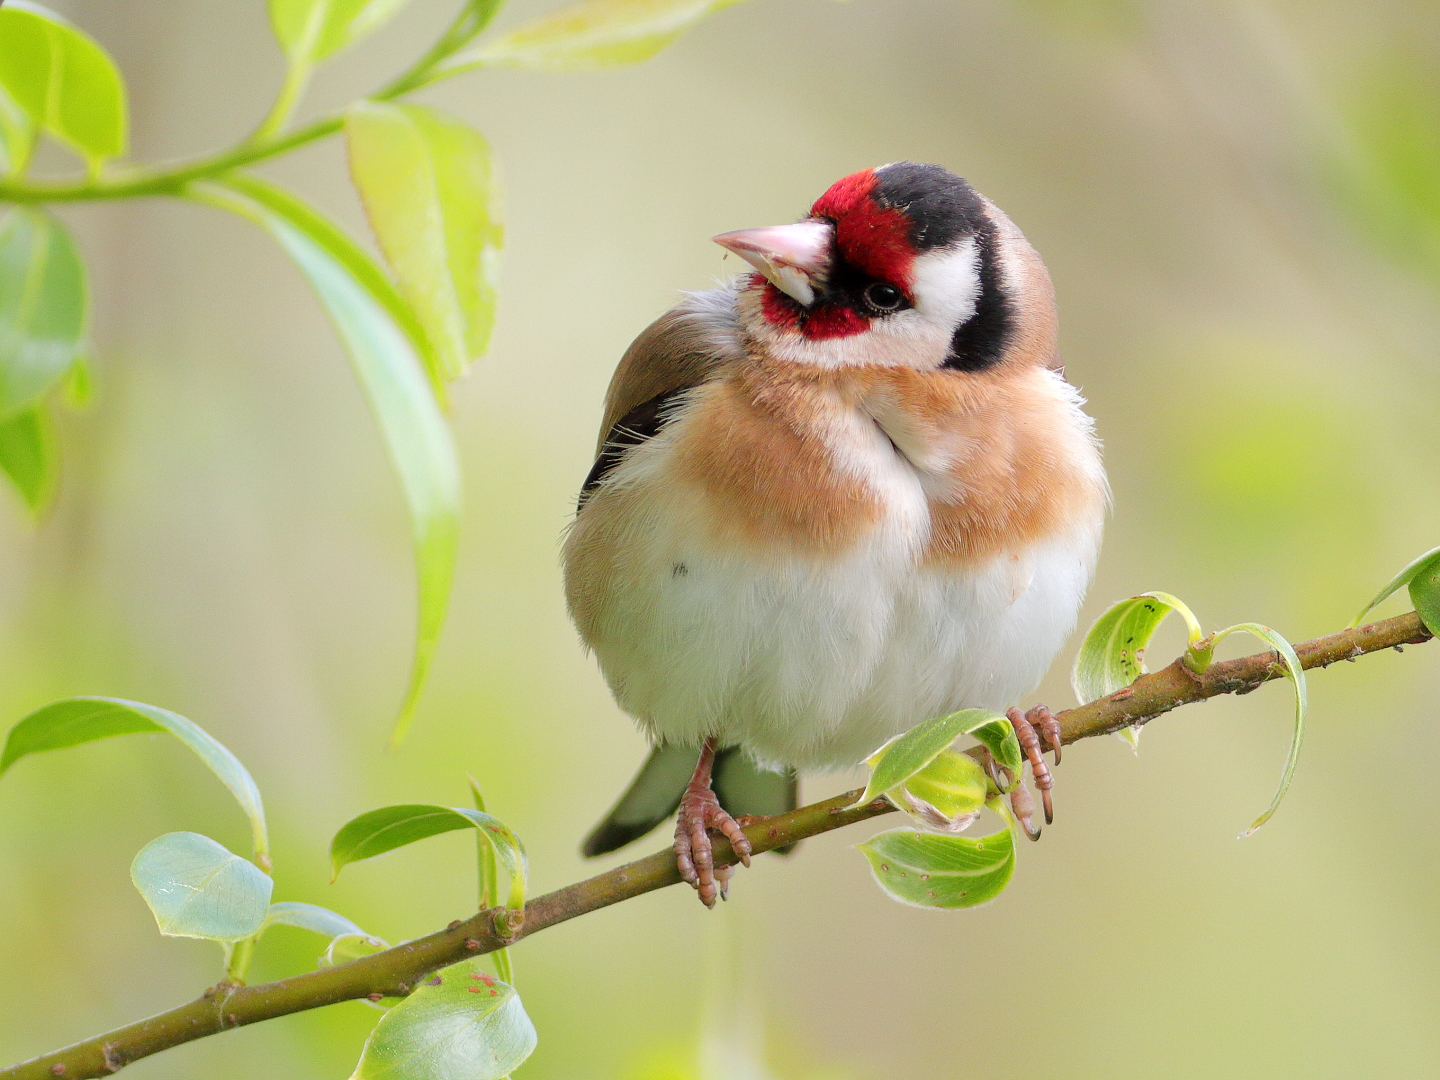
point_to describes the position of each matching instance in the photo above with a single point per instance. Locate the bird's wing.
(680, 350)
(741, 786)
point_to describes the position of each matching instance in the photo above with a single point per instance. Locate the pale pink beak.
(794, 258)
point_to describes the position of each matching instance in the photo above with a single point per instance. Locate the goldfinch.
(845, 493)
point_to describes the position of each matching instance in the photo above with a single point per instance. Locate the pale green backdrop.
(230, 543)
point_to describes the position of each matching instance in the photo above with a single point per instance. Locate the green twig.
(395, 971)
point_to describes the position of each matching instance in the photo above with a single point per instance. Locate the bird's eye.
(883, 297)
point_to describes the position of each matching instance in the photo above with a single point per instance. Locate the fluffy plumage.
(811, 526)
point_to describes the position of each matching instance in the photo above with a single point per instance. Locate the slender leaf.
(74, 721)
(196, 888)
(313, 917)
(311, 30)
(906, 754)
(934, 870)
(28, 455)
(1112, 656)
(387, 348)
(430, 191)
(63, 80)
(1296, 674)
(390, 827)
(591, 34)
(1424, 564)
(43, 303)
(462, 1024)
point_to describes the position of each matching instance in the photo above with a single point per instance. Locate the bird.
(845, 492)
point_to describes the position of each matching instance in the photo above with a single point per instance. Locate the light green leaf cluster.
(56, 79)
(390, 827)
(1112, 656)
(591, 34)
(429, 189)
(462, 1024)
(197, 888)
(906, 754)
(933, 870)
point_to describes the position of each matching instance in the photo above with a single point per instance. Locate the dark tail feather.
(655, 793)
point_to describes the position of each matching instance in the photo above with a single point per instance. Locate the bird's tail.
(741, 786)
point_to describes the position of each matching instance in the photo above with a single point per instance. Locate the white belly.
(813, 662)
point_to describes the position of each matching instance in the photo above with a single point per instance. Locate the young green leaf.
(388, 350)
(43, 302)
(196, 888)
(906, 754)
(1296, 674)
(63, 80)
(1112, 656)
(28, 455)
(430, 191)
(1425, 595)
(946, 795)
(935, 870)
(311, 30)
(461, 1024)
(999, 737)
(314, 918)
(591, 34)
(347, 947)
(1425, 564)
(80, 720)
(390, 827)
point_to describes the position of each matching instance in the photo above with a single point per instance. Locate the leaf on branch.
(946, 795)
(462, 1024)
(28, 456)
(1296, 674)
(935, 870)
(391, 827)
(198, 889)
(906, 754)
(488, 879)
(311, 30)
(388, 349)
(43, 303)
(63, 81)
(1419, 575)
(17, 135)
(75, 721)
(591, 34)
(432, 197)
(1112, 656)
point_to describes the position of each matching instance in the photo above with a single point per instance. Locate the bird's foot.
(1025, 726)
(700, 811)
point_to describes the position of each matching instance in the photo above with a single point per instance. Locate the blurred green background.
(1240, 204)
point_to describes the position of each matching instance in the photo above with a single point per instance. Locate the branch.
(392, 973)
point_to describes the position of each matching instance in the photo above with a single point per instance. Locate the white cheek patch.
(946, 284)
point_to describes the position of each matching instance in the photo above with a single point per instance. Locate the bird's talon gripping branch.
(1024, 725)
(700, 811)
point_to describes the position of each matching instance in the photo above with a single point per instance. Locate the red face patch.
(871, 237)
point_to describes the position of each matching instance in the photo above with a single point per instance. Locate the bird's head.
(904, 265)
